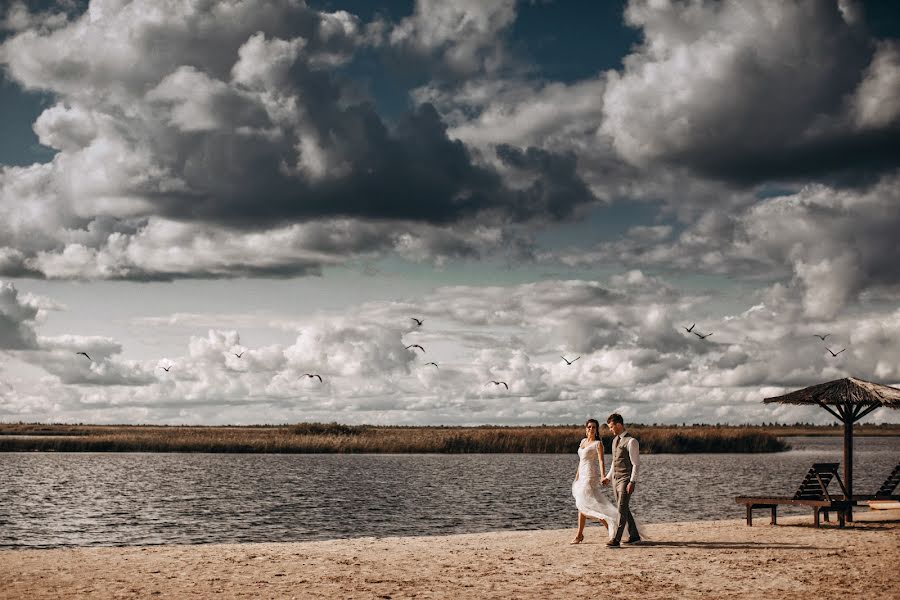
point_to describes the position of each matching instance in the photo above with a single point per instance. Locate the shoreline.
(718, 559)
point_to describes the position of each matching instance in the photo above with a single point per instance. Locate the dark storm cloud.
(412, 173)
(557, 188)
(751, 92)
(852, 159)
(175, 139)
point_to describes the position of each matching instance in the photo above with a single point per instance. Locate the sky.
(246, 192)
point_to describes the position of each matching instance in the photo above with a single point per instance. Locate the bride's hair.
(596, 427)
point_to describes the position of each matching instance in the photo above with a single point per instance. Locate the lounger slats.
(890, 484)
(814, 485)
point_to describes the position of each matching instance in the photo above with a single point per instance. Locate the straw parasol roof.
(841, 392)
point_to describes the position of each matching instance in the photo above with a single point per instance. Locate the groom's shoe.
(612, 544)
(636, 540)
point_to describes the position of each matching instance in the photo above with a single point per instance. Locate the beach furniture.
(813, 492)
(889, 487)
(886, 491)
(848, 400)
(884, 498)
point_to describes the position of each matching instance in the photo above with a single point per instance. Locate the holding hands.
(629, 488)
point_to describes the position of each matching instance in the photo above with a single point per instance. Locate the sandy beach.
(715, 559)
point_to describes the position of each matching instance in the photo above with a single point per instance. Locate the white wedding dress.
(587, 490)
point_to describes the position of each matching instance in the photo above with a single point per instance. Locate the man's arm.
(634, 455)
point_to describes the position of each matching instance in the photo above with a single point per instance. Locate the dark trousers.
(623, 500)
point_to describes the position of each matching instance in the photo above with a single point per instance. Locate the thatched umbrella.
(849, 400)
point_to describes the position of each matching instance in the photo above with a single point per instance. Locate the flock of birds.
(703, 336)
(568, 362)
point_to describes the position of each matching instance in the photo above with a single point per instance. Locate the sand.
(713, 559)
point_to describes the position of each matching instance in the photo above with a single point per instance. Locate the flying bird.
(418, 321)
(833, 354)
(503, 383)
(701, 336)
(311, 375)
(821, 337)
(432, 363)
(85, 354)
(688, 329)
(239, 355)
(166, 369)
(569, 362)
(415, 346)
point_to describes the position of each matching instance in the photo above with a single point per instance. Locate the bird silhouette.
(503, 383)
(166, 369)
(833, 354)
(415, 346)
(311, 375)
(821, 337)
(688, 329)
(569, 362)
(239, 355)
(432, 363)
(85, 354)
(418, 321)
(701, 336)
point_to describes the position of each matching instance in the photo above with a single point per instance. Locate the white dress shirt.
(632, 445)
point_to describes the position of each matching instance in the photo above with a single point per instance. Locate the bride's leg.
(580, 535)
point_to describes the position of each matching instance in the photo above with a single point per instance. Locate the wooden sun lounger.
(887, 491)
(813, 492)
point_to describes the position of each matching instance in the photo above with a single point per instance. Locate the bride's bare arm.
(580, 445)
(600, 453)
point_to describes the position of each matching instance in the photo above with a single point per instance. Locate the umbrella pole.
(848, 458)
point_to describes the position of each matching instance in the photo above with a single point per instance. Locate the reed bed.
(339, 438)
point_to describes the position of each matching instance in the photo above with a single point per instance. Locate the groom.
(623, 471)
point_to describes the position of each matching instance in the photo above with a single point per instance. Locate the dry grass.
(338, 438)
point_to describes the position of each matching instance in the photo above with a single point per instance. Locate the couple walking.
(591, 474)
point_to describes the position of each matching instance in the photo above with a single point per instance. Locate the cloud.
(562, 120)
(838, 242)
(349, 348)
(874, 104)
(164, 249)
(97, 346)
(17, 316)
(58, 355)
(831, 244)
(746, 93)
(253, 134)
(461, 38)
(256, 154)
(634, 356)
(18, 17)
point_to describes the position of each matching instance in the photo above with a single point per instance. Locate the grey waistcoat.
(621, 460)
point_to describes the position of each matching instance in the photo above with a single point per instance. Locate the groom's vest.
(621, 460)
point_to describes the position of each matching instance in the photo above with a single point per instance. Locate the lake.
(108, 499)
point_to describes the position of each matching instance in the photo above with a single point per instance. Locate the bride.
(589, 498)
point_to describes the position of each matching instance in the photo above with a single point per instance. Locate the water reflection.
(84, 499)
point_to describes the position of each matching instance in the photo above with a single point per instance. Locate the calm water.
(79, 499)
